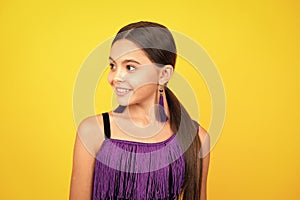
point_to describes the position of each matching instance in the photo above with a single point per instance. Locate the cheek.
(145, 83)
(144, 93)
(110, 78)
(146, 78)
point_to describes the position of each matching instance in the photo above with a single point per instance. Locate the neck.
(144, 112)
(141, 113)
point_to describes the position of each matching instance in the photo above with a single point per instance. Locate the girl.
(149, 147)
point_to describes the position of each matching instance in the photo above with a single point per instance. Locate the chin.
(123, 103)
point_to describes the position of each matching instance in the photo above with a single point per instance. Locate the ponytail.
(186, 133)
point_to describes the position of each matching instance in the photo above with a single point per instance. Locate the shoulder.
(204, 138)
(90, 123)
(203, 134)
(91, 133)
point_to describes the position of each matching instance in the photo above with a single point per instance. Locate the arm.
(87, 142)
(205, 142)
(82, 172)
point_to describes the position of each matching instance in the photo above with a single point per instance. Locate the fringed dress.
(138, 171)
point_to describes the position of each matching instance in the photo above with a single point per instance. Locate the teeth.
(122, 90)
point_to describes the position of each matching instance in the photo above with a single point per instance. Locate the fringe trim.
(118, 165)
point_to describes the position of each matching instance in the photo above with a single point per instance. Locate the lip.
(121, 93)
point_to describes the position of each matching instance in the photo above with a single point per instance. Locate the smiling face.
(133, 75)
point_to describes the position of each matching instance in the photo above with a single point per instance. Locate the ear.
(165, 74)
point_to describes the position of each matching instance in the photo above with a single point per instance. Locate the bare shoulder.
(202, 133)
(90, 123)
(91, 134)
(205, 140)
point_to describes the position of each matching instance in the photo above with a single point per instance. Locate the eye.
(111, 66)
(130, 67)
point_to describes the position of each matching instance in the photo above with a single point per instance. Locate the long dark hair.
(159, 45)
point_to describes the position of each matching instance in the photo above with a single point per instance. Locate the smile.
(122, 91)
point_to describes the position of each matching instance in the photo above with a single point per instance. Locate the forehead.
(124, 48)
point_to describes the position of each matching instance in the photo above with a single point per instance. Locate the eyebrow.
(126, 61)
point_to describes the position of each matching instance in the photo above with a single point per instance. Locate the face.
(133, 76)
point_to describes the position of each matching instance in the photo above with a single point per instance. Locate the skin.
(141, 75)
(132, 69)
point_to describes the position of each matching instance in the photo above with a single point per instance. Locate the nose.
(119, 75)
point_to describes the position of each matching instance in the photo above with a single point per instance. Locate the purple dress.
(136, 170)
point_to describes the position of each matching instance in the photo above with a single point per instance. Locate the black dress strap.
(106, 124)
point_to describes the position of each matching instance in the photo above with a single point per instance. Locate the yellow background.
(255, 45)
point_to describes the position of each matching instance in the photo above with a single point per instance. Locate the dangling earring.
(162, 114)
